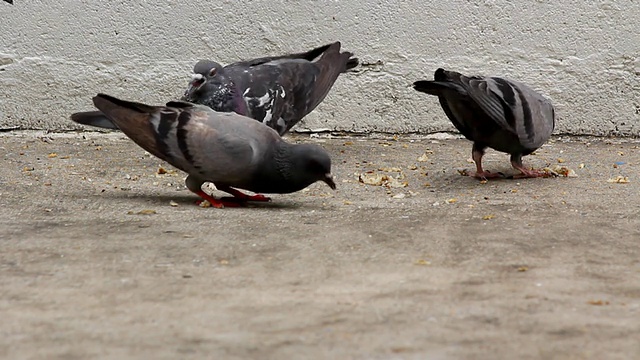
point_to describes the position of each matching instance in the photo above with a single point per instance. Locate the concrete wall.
(584, 55)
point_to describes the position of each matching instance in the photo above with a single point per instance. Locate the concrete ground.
(102, 257)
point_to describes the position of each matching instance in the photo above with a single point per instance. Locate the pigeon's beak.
(328, 178)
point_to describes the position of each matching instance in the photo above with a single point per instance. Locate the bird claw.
(525, 174)
(484, 175)
(220, 204)
(240, 199)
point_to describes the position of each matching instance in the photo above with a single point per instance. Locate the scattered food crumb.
(598, 302)
(162, 170)
(390, 169)
(452, 201)
(205, 204)
(560, 160)
(52, 155)
(558, 170)
(347, 202)
(173, 203)
(423, 158)
(423, 262)
(488, 217)
(399, 196)
(523, 269)
(377, 179)
(619, 180)
(142, 212)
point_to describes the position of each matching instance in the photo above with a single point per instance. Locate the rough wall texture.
(584, 55)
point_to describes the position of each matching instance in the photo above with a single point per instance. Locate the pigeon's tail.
(331, 65)
(443, 80)
(94, 118)
(314, 54)
(430, 87)
(137, 121)
(353, 62)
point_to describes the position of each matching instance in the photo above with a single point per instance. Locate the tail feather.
(443, 80)
(134, 119)
(313, 54)
(94, 118)
(353, 62)
(331, 64)
(430, 87)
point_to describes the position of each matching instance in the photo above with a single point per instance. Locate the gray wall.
(584, 55)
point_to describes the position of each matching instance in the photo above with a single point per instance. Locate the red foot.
(527, 173)
(217, 203)
(531, 174)
(483, 175)
(240, 196)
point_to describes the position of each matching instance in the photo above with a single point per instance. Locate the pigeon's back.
(277, 91)
(221, 147)
(506, 115)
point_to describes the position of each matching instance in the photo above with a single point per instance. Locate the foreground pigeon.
(504, 115)
(229, 150)
(277, 91)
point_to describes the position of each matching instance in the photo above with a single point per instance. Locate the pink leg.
(527, 173)
(216, 203)
(476, 155)
(240, 196)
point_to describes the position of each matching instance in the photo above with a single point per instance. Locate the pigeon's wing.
(280, 92)
(310, 55)
(214, 146)
(94, 118)
(514, 107)
(227, 147)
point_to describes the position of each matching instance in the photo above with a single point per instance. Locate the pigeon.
(501, 114)
(227, 149)
(277, 91)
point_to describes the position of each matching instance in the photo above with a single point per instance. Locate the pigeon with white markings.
(277, 91)
(229, 150)
(504, 115)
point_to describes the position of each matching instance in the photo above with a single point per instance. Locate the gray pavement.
(102, 257)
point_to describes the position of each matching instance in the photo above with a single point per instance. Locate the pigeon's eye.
(213, 71)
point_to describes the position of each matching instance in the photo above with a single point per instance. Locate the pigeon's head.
(311, 163)
(204, 71)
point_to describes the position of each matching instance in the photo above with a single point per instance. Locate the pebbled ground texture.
(106, 256)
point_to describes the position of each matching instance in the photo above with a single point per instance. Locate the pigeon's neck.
(219, 95)
(280, 172)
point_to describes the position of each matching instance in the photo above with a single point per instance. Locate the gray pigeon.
(504, 115)
(229, 150)
(277, 91)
